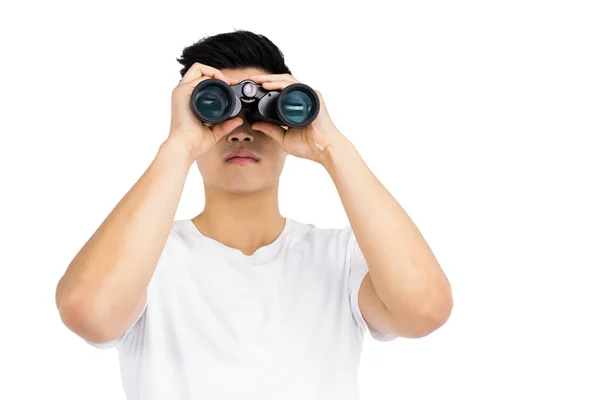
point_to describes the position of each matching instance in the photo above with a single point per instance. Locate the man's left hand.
(310, 141)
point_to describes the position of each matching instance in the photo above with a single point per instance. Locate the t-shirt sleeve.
(132, 330)
(358, 270)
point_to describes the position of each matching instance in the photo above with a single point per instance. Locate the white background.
(481, 118)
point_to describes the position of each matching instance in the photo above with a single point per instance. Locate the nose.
(240, 136)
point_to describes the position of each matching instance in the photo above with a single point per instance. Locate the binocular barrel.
(214, 101)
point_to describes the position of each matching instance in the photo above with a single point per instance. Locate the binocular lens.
(297, 106)
(212, 101)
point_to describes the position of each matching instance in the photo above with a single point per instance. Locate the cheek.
(273, 149)
(275, 157)
(279, 161)
(209, 165)
(210, 159)
(203, 165)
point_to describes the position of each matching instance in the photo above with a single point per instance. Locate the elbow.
(437, 305)
(430, 316)
(83, 318)
(436, 316)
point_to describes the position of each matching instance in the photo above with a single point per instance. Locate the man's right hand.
(186, 129)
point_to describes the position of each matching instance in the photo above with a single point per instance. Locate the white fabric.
(282, 323)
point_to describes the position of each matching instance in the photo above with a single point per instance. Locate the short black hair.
(235, 50)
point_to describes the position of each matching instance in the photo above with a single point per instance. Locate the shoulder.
(322, 240)
(311, 231)
(179, 243)
(183, 236)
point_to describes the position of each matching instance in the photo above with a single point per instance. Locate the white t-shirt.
(282, 323)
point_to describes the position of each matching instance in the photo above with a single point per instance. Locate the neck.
(243, 221)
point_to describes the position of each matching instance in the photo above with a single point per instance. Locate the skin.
(405, 293)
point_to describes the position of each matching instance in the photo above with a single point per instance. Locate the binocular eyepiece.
(214, 101)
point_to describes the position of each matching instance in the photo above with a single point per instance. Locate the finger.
(273, 77)
(275, 132)
(226, 127)
(198, 70)
(276, 85)
(193, 83)
(232, 81)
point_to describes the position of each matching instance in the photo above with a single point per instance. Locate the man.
(240, 302)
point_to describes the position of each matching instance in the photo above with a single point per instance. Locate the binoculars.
(214, 101)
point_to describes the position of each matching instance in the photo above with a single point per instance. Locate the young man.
(240, 302)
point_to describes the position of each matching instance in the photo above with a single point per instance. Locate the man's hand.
(310, 141)
(186, 129)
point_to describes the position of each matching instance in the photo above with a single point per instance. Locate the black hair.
(235, 50)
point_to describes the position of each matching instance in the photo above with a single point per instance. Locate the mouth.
(241, 160)
(241, 156)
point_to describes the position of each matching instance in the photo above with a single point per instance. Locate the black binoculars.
(214, 101)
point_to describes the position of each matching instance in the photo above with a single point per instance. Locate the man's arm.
(104, 287)
(405, 291)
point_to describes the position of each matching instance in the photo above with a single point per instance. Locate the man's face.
(243, 177)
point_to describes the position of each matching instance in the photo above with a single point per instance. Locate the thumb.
(275, 132)
(225, 127)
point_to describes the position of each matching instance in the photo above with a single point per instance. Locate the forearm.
(403, 269)
(110, 273)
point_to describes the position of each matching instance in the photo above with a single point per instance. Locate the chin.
(243, 188)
